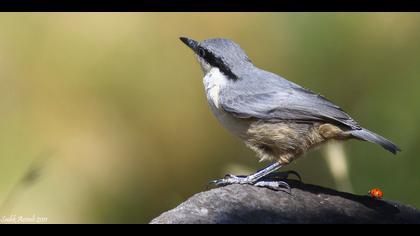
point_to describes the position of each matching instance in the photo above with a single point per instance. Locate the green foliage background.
(118, 103)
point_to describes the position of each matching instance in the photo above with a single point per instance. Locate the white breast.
(214, 82)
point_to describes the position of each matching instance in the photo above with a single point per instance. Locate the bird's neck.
(214, 81)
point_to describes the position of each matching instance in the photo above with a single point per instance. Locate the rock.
(244, 204)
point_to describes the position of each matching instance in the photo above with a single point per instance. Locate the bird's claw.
(221, 182)
(232, 179)
(274, 185)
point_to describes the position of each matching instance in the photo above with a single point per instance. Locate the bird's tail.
(367, 135)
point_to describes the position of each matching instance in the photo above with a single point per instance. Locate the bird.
(278, 119)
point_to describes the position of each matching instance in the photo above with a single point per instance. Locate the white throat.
(214, 81)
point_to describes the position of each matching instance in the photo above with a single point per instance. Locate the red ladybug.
(376, 193)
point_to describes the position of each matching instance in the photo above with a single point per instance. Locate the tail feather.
(367, 135)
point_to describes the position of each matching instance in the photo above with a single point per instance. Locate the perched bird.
(276, 118)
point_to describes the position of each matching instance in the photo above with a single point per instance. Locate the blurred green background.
(112, 106)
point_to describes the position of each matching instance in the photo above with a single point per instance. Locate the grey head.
(224, 54)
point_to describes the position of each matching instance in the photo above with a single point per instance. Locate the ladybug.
(376, 193)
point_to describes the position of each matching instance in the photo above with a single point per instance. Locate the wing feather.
(279, 99)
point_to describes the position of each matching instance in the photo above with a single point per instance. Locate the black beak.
(190, 43)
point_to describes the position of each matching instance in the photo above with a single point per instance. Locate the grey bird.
(276, 118)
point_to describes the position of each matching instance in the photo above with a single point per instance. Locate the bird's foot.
(274, 185)
(272, 181)
(232, 179)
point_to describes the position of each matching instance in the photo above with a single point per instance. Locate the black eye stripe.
(216, 62)
(201, 52)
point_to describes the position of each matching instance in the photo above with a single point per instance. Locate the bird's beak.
(190, 43)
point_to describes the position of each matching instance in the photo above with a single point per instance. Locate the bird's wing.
(279, 99)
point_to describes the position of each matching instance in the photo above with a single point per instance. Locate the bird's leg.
(254, 179)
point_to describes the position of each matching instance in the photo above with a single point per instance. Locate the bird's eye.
(201, 52)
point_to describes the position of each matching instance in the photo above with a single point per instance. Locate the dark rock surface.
(306, 204)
